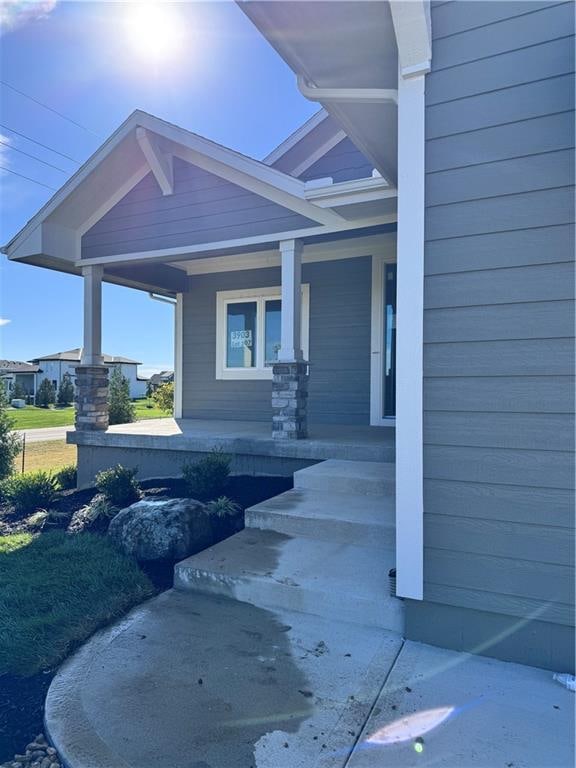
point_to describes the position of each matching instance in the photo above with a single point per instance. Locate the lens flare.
(411, 727)
(154, 29)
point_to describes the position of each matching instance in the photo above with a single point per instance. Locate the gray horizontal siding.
(525, 65)
(339, 389)
(511, 105)
(499, 314)
(529, 431)
(504, 177)
(203, 208)
(534, 320)
(505, 503)
(501, 394)
(343, 162)
(548, 133)
(535, 283)
(490, 251)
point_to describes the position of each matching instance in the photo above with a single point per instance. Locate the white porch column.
(178, 354)
(92, 349)
(409, 338)
(290, 336)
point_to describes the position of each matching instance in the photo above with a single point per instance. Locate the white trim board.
(384, 244)
(296, 137)
(409, 340)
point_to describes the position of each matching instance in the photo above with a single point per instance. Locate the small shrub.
(10, 442)
(164, 397)
(65, 391)
(93, 516)
(29, 491)
(121, 408)
(66, 477)
(46, 395)
(119, 485)
(207, 477)
(223, 507)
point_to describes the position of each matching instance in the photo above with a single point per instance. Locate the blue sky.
(222, 80)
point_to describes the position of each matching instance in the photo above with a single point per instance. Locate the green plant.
(118, 485)
(223, 507)
(66, 477)
(10, 442)
(45, 396)
(95, 515)
(65, 390)
(164, 397)
(208, 477)
(29, 491)
(121, 408)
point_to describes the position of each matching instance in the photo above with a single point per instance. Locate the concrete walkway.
(199, 681)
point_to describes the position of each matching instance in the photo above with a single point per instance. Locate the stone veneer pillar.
(289, 401)
(91, 397)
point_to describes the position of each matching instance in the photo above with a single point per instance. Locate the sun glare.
(154, 29)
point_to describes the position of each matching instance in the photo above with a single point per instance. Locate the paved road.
(47, 433)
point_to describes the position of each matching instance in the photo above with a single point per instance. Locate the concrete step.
(352, 477)
(332, 579)
(353, 518)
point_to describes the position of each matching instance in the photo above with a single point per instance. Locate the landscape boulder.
(155, 529)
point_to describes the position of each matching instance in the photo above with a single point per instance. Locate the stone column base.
(91, 398)
(290, 401)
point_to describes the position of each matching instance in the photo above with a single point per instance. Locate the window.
(248, 332)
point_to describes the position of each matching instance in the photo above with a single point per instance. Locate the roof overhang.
(347, 56)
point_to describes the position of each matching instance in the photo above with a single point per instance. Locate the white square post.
(291, 320)
(92, 350)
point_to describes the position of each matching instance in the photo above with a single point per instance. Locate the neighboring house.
(164, 377)
(413, 242)
(15, 374)
(57, 365)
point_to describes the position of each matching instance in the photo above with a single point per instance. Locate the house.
(16, 376)
(54, 367)
(163, 377)
(395, 282)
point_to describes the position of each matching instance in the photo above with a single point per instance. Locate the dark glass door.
(389, 389)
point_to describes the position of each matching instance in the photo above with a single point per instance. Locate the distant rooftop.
(17, 366)
(74, 355)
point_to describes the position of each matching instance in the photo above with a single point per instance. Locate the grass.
(32, 417)
(56, 590)
(49, 454)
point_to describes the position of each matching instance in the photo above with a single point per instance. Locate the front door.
(383, 363)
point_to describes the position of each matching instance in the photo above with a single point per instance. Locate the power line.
(38, 159)
(3, 168)
(51, 109)
(39, 143)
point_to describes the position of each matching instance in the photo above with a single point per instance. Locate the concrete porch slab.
(469, 712)
(198, 681)
(325, 441)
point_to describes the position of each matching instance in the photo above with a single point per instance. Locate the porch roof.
(145, 146)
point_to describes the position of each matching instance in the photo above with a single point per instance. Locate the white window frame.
(260, 296)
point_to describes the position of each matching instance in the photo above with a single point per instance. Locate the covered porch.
(159, 447)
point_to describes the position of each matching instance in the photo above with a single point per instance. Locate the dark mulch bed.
(21, 711)
(22, 699)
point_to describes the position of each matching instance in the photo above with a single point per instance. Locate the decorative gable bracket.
(159, 162)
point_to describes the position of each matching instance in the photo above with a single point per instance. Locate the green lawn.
(56, 590)
(32, 417)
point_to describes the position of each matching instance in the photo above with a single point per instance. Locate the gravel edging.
(38, 754)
